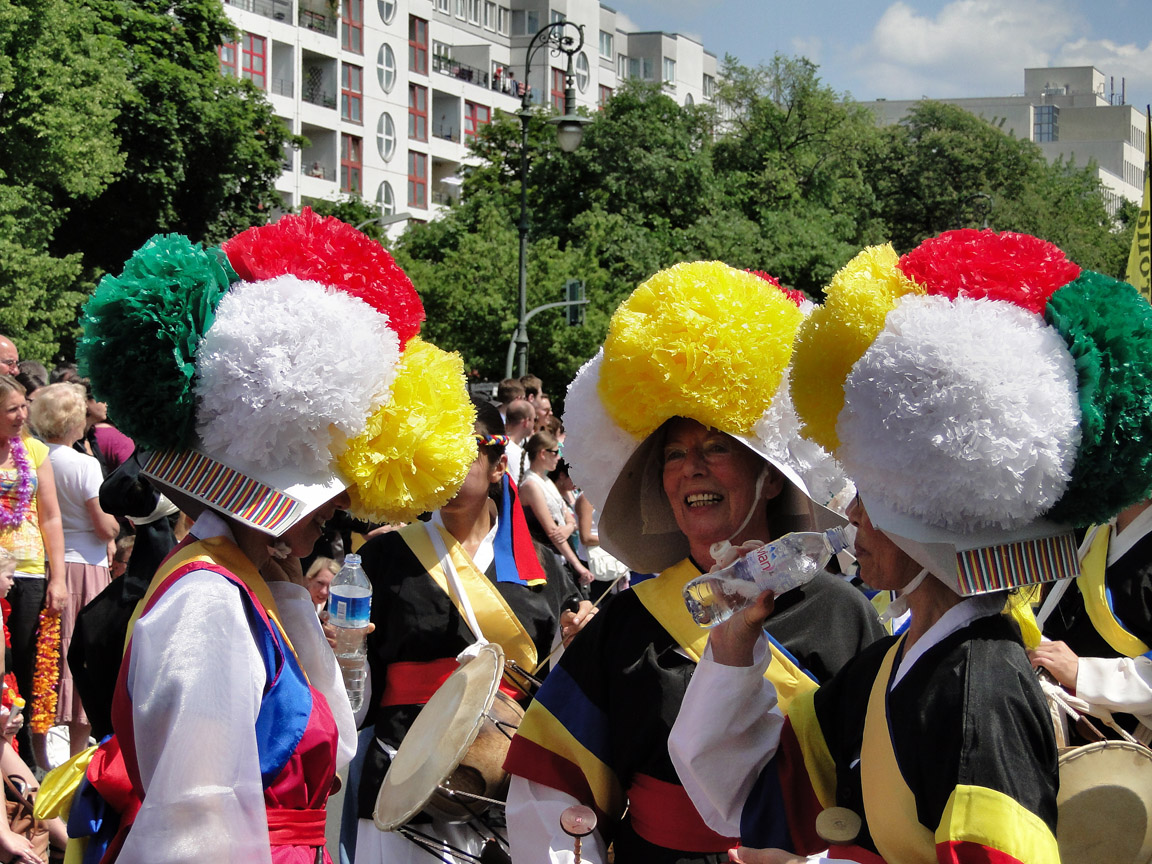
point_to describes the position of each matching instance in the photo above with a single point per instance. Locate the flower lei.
(47, 674)
(11, 517)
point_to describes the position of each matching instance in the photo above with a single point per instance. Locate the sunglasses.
(550, 450)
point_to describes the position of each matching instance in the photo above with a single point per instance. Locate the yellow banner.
(1140, 258)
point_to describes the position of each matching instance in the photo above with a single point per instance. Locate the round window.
(386, 68)
(386, 136)
(582, 71)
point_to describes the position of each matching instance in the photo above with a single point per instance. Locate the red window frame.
(417, 112)
(558, 82)
(605, 95)
(417, 45)
(351, 164)
(475, 116)
(352, 27)
(351, 93)
(227, 54)
(254, 59)
(417, 180)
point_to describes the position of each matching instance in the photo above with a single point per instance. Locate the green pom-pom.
(1108, 328)
(141, 332)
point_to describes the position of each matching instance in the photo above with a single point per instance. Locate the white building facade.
(1075, 113)
(389, 92)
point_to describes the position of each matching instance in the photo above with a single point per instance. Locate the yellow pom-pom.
(837, 334)
(417, 449)
(700, 340)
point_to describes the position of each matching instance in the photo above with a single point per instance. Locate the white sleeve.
(1118, 684)
(533, 814)
(195, 678)
(727, 730)
(298, 613)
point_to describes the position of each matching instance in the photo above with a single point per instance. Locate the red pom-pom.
(1018, 268)
(331, 252)
(792, 294)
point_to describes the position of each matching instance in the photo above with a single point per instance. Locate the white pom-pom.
(285, 362)
(595, 447)
(962, 414)
(779, 433)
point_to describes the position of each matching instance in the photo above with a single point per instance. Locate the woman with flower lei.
(30, 528)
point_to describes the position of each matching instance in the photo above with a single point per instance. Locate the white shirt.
(78, 478)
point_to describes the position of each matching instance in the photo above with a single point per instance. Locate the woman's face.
(547, 459)
(13, 414)
(319, 586)
(883, 564)
(302, 536)
(710, 480)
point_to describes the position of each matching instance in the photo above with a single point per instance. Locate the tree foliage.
(116, 124)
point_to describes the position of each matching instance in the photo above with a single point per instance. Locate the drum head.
(1105, 804)
(439, 738)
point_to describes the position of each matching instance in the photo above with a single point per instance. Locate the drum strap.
(1098, 601)
(472, 593)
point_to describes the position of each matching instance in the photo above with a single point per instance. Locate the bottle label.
(350, 611)
(764, 558)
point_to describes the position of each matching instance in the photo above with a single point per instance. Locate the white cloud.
(811, 47)
(969, 48)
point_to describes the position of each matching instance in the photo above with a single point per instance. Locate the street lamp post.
(569, 131)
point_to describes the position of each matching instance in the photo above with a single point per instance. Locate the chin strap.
(720, 548)
(899, 604)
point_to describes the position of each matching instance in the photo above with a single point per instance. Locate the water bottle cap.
(840, 538)
(351, 559)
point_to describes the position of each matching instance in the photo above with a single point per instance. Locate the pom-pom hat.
(984, 394)
(267, 376)
(706, 342)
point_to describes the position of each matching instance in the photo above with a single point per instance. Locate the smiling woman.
(698, 461)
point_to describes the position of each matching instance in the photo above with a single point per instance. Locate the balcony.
(446, 133)
(455, 69)
(320, 172)
(318, 22)
(316, 96)
(277, 10)
(282, 86)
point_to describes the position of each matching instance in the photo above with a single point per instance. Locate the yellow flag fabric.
(1139, 271)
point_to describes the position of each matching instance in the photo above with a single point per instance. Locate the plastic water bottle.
(778, 566)
(349, 609)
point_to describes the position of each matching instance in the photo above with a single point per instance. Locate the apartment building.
(389, 92)
(1075, 113)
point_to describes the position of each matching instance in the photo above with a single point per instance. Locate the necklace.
(11, 517)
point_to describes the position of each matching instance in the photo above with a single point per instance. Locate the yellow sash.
(223, 553)
(664, 598)
(889, 805)
(1094, 591)
(496, 619)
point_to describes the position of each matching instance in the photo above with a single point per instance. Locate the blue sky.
(905, 49)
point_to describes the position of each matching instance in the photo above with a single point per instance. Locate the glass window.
(351, 163)
(556, 17)
(502, 20)
(1046, 125)
(474, 11)
(582, 71)
(444, 6)
(558, 85)
(252, 59)
(709, 87)
(351, 93)
(669, 70)
(621, 65)
(688, 100)
(386, 137)
(417, 112)
(385, 200)
(525, 22)
(227, 55)
(489, 15)
(461, 9)
(605, 95)
(605, 44)
(475, 116)
(386, 68)
(417, 180)
(387, 9)
(647, 68)
(417, 45)
(352, 26)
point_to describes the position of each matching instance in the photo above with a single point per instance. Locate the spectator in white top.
(58, 414)
(518, 426)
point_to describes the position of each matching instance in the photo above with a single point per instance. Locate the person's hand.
(56, 597)
(572, 623)
(744, 855)
(16, 847)
(330, 629)
(1058, 659)
(733, 552)
(10, 723)
(734, 641)
(584, 575)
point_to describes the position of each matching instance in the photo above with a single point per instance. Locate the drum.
(1105, 804)
(451, 761)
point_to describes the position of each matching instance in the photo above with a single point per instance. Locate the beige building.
(1073, 112)
(389, 92)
